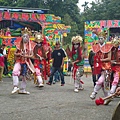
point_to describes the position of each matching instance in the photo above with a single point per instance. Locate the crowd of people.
(34, 56)
(104, 60)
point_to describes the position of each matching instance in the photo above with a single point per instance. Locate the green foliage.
(70, 13)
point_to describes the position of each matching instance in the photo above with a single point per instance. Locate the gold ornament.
(76, 39)
(38, 37)
(26, 31)
(116, 41)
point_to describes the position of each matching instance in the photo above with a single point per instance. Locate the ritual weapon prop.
(100, 101)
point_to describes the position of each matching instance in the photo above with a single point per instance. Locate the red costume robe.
(101, 52)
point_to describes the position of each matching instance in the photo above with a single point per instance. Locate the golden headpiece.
(26, 31)
(116, 41)
(102, 34)
(76, 39)
(38, 37)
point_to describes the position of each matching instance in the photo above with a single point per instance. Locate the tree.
(67, 20)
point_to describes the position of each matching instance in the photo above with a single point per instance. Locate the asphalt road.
(53, 102)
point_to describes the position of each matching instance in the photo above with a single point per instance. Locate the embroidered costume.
(115, 64)
(77, 61)
(41, 59)
(102, 65)
(22, 62)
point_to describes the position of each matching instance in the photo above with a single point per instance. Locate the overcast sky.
(81, 2)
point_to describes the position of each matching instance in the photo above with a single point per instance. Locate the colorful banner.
(10, 59)
(54, 31)
(89, 25)
(96, 26)
(49, 18)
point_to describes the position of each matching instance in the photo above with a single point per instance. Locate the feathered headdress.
(76, 39)
(116, 41)
(102, 34)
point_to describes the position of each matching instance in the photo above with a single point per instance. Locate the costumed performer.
(22, 62)
(39, 58)
(77, 59)
(115, 67)
(102, 64)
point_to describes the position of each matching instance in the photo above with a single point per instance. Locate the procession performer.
(48, 51)
(115, 67)
(77, 59)
(115, 64)
(39, 58)
(102, 64)
(22, 62)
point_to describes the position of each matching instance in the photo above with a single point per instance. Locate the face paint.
(39, 44)
(25, 38)
(76, 45)
(101, 40)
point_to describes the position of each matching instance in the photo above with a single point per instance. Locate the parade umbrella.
(100, 101)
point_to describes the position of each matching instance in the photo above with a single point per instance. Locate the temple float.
(13, 20)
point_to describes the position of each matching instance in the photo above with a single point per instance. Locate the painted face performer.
(77, 62)
(115, 67)
(102, 64)
(39, 56)
(48, 51)
(115, 63)
(22, 62)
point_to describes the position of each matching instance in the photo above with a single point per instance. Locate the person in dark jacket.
(91, 62)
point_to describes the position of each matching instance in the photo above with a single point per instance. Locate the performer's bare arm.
(75, 62)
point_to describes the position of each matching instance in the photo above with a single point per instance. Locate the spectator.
(58, 56)
(69, 67)
(1, 64)
(5, 72)
(91, 62)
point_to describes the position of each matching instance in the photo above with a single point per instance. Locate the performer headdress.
(38, 37)
(116, 41)
(26, 31)
(76, 39)
(102, 34)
